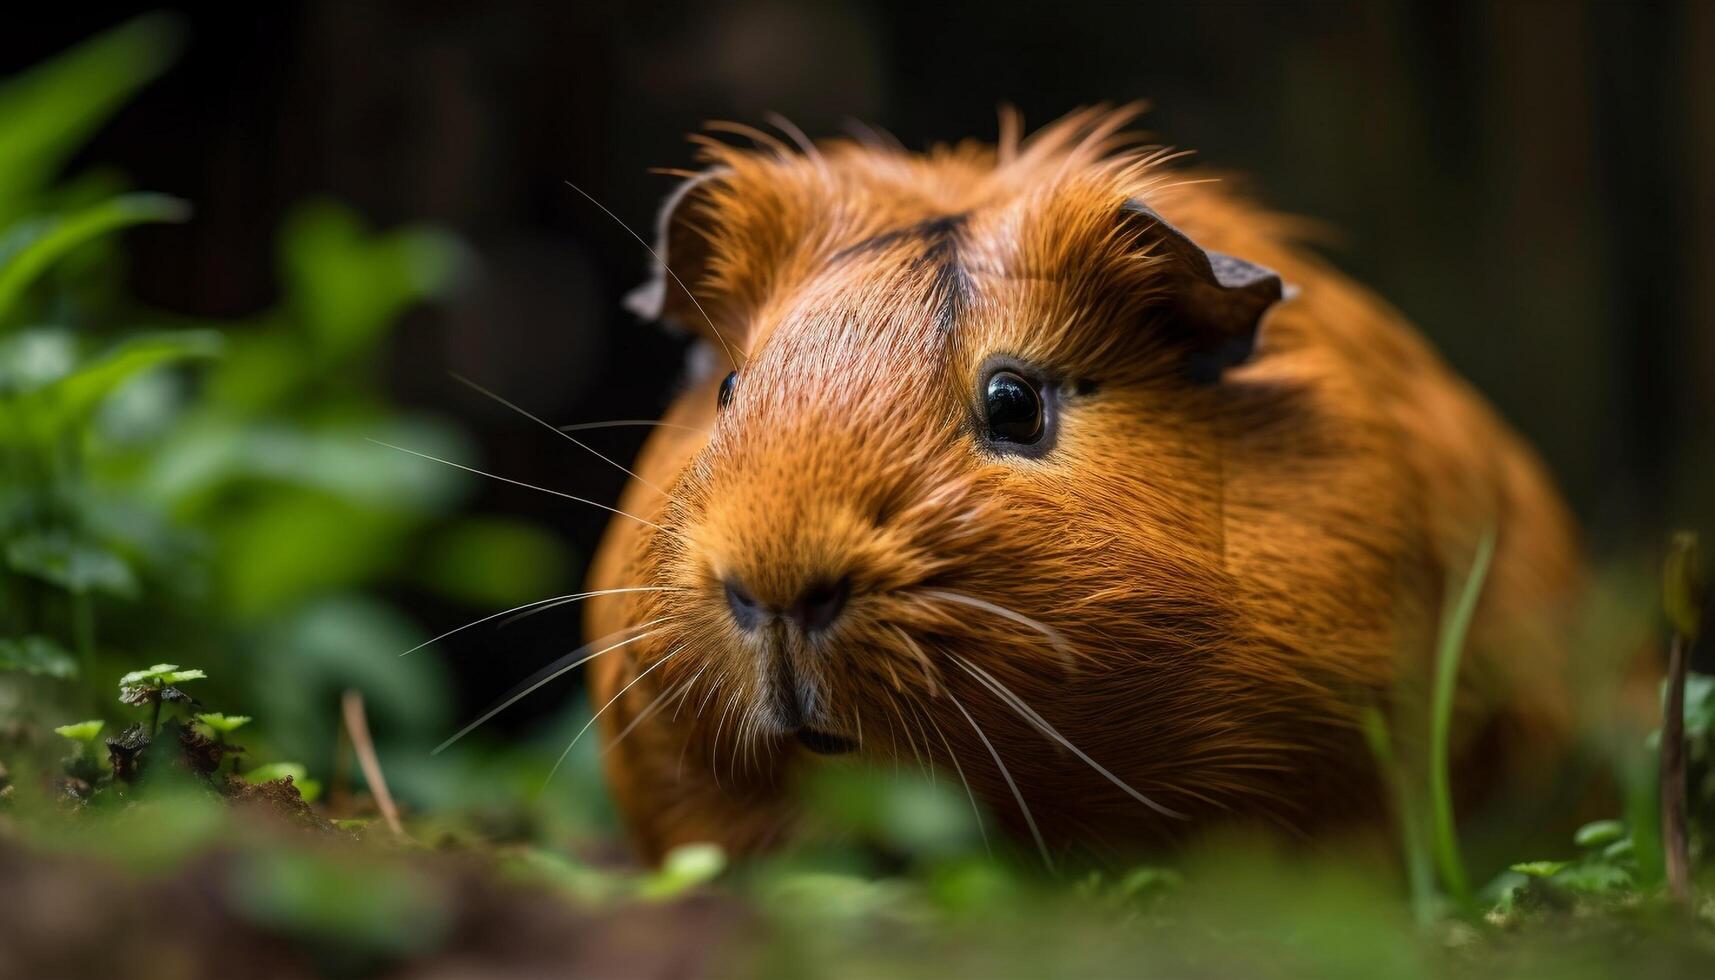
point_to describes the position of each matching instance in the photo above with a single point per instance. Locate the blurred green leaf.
(494, 562)
(1539, 869)
(29, 249)
(1599, 833)
(36, 655)
(685, 867)
(83, 731)
(347, 285)
(77, 565)
(224, 724)
(47, 112)
(32, 359)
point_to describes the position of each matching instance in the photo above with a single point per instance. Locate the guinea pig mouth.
(824, 743)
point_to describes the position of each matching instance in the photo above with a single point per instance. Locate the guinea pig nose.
(820, 605)
(746, 611)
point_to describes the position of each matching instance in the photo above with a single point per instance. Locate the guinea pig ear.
(680, 254)
(1217, 299)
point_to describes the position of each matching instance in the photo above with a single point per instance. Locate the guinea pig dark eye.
(1012, 409)
(728, 383)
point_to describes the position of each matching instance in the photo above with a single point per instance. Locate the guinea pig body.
(1047, 467)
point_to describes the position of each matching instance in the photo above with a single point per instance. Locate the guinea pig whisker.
(976, 810)
(593, 718)
(680, 706)
(556, 669)
(551, 604)
(1040, 724)
(648, 710)
(1053, 635)
(664, 268)
(461, 379)
(714, 743)
(1023, 807)
(906, 729)
(621, 423)
(532, 486)
(545, 604)
(931, 675)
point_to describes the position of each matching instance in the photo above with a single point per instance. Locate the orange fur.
(1237, 569)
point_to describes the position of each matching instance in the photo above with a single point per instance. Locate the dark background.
(1532, 183)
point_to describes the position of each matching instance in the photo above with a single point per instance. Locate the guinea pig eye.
(728, 383)
(1012, 409)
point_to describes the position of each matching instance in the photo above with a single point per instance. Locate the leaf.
(74, 397)
(684, 868)
(347, 285)
(494, 562)
(1595, 878)
(152, 673)
(1599, 833)
(28, 252)
(35, 358)
(1539, 869)
(49, 111)
(37, 655)
(83, 731)
(78, 566)
(225, 724)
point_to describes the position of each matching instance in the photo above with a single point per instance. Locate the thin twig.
(357, 726)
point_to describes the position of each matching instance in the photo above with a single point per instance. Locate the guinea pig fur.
(1067, 474)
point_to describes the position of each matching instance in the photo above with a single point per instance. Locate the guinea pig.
(1067, 474)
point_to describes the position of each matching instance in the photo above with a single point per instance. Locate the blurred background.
(1532, 183)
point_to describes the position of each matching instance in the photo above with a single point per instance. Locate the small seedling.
(157, 685)
(81, 765)
(223, 725)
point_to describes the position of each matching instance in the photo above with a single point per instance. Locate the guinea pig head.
(962, 463)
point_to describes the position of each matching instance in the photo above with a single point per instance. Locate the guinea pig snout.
(815, 608)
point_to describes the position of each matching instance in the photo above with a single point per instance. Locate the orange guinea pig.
(1066, 473)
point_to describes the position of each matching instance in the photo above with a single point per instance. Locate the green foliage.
(223, 724)
(36, 655)
(160, 675)
(82, 732)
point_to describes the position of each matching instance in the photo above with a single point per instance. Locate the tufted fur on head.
(1232, 538)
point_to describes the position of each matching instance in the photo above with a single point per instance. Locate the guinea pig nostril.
(820, 605)
(746, 611)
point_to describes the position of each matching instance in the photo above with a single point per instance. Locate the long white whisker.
(975, 809)
(664, 268)
(573, 743)
(1041, 845)
(621, 423)
(461, 379)
(648, 710)
(532, 486)
(551, 605)
(548, 674)
(1052, 634)
(548, 603)
(1040, 724)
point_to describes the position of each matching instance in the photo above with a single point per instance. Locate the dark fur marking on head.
(940, 239)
